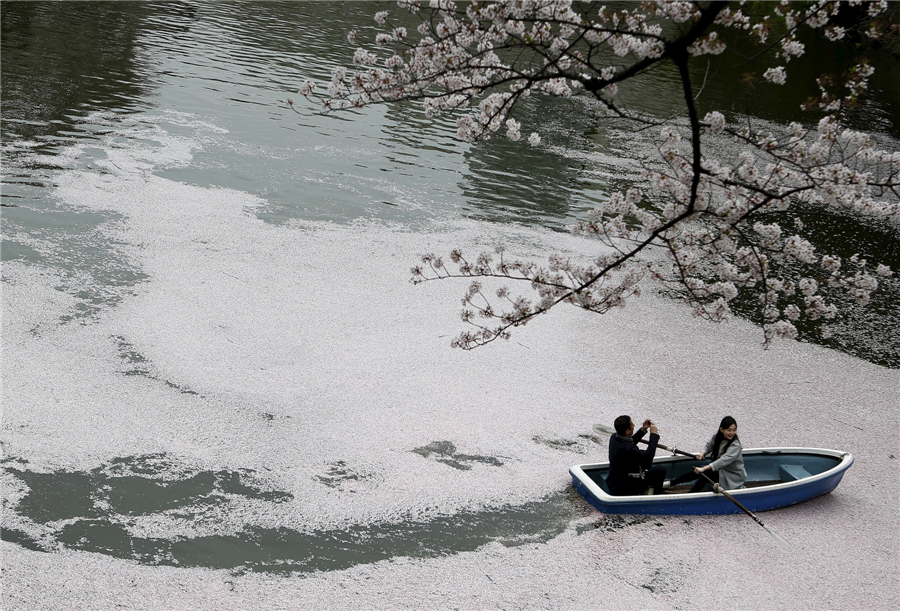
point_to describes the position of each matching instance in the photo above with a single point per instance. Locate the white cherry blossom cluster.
(708, 45)
(552, 283)
(725, 225)
(710, 263)
(716, 122)
(776, 75)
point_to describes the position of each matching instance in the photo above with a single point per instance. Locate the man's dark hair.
(622, 423)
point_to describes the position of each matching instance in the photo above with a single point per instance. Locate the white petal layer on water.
(287, 350)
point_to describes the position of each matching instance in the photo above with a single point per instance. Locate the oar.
(604, 430)
(781, 540)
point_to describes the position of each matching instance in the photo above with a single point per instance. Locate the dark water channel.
(91, 511)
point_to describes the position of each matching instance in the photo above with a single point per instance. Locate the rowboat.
(776, 477)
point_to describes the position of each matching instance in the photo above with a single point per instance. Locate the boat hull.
(797, 475)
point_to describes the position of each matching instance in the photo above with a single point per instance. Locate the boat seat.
(791, 473)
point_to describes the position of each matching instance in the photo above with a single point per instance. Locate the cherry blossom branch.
(715, 220)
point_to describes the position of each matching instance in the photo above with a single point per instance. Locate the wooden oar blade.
(781, 540)
(603, 430)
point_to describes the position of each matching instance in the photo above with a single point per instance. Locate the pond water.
(199, 279)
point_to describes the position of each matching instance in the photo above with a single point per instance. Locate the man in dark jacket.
(631, 469)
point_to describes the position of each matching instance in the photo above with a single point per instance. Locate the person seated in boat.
(727, 467)
(631, 469)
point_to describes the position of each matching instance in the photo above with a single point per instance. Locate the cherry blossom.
(776, 75)
(727, 228)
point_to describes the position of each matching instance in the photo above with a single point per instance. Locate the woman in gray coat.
(725, 451)
(727, 466)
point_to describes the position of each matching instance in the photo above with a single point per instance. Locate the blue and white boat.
(776, 477)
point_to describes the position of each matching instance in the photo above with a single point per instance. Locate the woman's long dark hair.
(727, 421)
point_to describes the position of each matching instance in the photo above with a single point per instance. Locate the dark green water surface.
(92, 510)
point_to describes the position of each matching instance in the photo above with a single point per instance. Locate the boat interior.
(764, 468)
